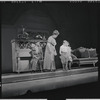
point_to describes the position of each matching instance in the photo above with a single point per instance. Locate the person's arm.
(60, 51)
(30, 52)
(69, 50)
(48, 45)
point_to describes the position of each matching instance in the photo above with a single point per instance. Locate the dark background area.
(76, 22)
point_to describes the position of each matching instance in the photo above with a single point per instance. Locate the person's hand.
(52, 57)
(55, 53)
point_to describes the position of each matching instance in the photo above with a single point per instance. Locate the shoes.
(33, 71)
(53, 70)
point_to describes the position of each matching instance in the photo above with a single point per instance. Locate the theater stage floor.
(19, 84)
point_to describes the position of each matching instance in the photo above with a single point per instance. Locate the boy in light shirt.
(65, 52)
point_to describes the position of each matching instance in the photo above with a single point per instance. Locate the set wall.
(10, 32)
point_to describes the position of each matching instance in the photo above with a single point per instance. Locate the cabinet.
(21, 53)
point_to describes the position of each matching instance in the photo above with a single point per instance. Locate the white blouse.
(65, 49)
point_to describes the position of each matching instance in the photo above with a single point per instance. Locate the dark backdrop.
(76, 22)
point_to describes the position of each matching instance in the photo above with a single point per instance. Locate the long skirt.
(49, 60)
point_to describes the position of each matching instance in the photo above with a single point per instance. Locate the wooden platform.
(18, 84)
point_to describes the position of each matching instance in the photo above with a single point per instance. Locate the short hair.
(65, 41)
(56, 32)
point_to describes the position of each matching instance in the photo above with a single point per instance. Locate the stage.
(15, 84)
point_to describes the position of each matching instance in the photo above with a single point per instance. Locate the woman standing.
(50, 52)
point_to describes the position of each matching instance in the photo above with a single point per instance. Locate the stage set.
(27, 24)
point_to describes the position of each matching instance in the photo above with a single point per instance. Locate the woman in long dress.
(50, 52)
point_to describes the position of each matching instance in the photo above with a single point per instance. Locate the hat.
(56, 32)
